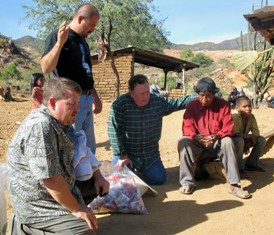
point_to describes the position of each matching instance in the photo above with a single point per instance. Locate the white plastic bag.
(3, 205)
(124, 195)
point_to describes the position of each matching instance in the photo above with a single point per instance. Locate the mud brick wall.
(176, 93)
(105, 81)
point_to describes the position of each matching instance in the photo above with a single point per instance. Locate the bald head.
(87, 10)
(85, 20)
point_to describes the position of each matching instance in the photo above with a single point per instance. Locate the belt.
(87, 92)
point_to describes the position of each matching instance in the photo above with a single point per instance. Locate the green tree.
(132, 21)
(123, 23)
(202, 59)
(10, 72)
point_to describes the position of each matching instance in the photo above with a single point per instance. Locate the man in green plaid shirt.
(135, 125)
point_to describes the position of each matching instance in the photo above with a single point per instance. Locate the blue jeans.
(84, 120)
(154, 175)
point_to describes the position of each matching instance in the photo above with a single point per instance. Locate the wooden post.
(165, 71)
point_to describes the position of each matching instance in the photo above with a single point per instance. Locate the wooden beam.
(259, 25)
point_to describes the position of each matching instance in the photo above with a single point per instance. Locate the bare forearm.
(244, 136)
(59, 190)
(49, 61)
(94, 94)
(97, 174)
(97, 102)
(101, 184)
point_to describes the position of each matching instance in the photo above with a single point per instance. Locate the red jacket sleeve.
(188, 126)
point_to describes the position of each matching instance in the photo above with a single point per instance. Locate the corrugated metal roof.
(154, 59)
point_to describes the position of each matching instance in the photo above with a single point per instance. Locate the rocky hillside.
(10, 53)
(226, 77)
(30, 42)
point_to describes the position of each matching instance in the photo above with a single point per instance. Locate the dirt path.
(210, 210)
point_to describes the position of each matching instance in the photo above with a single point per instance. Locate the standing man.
(135, 126)
(208, 127)
(41, 181)
(67, 54)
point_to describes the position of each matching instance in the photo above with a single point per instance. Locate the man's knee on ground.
(158, 179)
(156, 174)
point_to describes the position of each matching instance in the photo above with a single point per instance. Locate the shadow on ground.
(261, 179)
(165, 217)
(105, 145)
(173, 217)
(17, 100)
(268, 144)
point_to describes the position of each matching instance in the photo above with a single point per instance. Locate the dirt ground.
(209, 210)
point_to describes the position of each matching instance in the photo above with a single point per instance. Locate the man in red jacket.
(207, 127)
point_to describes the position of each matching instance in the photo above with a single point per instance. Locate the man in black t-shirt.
(67, 54)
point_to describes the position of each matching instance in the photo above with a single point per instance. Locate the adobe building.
(105, 80)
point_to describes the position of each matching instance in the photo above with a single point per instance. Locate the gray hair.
(57, 88)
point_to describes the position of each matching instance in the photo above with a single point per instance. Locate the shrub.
(10, 72)
(202, 59)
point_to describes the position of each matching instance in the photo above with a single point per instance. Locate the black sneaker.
(254, 168)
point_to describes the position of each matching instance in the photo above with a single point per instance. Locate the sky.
(187, 21)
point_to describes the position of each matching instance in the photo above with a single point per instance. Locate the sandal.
(239, 192)
(187, 189)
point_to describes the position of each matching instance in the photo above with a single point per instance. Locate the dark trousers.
(87, 190)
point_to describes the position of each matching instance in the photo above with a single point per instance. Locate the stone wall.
(105, 81)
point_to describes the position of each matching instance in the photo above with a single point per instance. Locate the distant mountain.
(29, 41)
(26, 40)
(232, 44)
